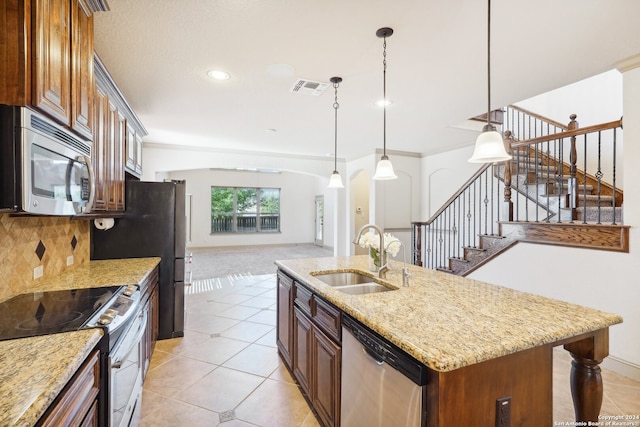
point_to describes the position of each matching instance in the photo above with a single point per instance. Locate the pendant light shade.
(384, 169)
(335, 181)
(489, 144)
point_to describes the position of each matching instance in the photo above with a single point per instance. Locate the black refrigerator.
(154, 225)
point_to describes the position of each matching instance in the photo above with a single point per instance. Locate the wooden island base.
(526, 379)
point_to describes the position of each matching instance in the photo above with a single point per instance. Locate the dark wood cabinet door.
(82, 80)
(116, 125)
(99, 154)
(51, 58)
(284, 338)
(326, 364)
(302, 353)
(118, 150)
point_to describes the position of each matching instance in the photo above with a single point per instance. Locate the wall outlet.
(503, 412)
(38, 272)
(70, 260)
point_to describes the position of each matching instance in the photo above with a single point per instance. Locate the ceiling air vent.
(309, 87)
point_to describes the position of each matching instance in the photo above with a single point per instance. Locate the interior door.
(319, 221)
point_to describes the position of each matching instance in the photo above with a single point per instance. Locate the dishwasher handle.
(373, 356)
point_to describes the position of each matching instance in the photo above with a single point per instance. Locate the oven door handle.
(118, 362)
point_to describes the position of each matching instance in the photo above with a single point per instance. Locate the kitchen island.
(479, 342)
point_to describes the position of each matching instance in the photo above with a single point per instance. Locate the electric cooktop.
(41, 313)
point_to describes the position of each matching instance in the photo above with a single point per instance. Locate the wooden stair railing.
(545, 199)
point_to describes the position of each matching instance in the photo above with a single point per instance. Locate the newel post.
(572, 184)
(417, 244)
(507, 206)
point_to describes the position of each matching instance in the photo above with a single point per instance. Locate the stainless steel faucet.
(382, 270)
(405, 271)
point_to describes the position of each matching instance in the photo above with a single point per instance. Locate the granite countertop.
(33, 371)
(447, 321)
(97, 274)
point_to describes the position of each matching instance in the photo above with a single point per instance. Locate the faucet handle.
(405, 276)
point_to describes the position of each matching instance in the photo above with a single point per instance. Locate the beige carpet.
(223, 261)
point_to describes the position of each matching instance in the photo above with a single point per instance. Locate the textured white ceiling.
(159, 51)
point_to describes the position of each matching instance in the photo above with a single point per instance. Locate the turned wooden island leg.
(586, 378)
(586, 388)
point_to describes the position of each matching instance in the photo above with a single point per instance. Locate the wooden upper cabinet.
(52, 58)
(46, 59)
(82, 76)
(99, 152)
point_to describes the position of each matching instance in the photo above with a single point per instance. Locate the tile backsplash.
(30, 242)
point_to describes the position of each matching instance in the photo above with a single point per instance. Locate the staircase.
(543, 195)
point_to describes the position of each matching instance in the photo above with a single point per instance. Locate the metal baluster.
(584, 184)
(548, 175)
(559, 143)
(599, 175)
(468, 214)
(485, 200)
(454, 229)
(615, 132)
(493, 204)
(517, 176)
(474, 215)
(459, 222)
(440, 241)
(526, 183)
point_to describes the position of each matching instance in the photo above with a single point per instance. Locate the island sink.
(352, 283)
(364, 288)
(344, 278)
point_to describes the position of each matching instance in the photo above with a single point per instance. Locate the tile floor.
(226, 371)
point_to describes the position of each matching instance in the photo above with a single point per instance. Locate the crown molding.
(628, 64)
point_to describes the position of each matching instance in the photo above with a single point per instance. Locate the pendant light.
(489, 145)
(335, 181)
(384, 169)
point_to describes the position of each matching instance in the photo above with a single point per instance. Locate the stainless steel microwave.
(46, 169)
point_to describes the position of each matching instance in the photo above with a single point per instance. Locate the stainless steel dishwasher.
(382, 386)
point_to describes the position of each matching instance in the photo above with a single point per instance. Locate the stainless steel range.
(117, 309)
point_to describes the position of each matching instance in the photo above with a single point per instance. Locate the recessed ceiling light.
(383, 102)
(218, 75)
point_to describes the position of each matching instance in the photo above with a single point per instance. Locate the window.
(245, 210)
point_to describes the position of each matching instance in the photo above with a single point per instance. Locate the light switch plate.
(38, 272)
(70, 260)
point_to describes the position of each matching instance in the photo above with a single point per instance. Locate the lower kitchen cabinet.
(284, 329)
(326, 363)
(314, 356)
(77, 405)
(302, 356)
(151, 332)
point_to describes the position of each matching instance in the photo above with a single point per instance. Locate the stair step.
(487, 241)
(472, 253)
(592, 201)
(606, 214)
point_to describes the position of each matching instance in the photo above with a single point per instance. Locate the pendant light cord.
(489, 63)
(384, 98)
(335, 107)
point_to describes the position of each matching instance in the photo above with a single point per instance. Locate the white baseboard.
(622, 367)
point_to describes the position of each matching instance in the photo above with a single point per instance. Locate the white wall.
(442, 175)
(301, 180)
(595, 100)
